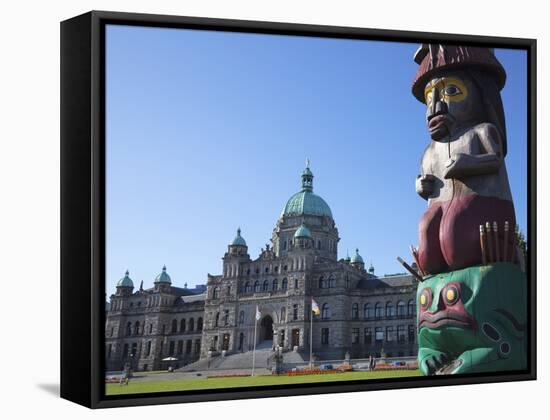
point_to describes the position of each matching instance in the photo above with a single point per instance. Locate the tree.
(522, 241)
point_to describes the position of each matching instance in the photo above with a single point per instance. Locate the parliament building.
(360, 314)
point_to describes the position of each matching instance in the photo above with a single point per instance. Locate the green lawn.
(213, 383)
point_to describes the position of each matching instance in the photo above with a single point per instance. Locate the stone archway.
(266, 328)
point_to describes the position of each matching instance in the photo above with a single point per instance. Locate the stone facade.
(359, 313)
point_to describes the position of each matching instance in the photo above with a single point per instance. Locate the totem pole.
(472, 297)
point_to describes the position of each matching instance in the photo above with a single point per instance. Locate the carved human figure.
(463, 173)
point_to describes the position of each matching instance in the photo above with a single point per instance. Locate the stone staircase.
(243, 361)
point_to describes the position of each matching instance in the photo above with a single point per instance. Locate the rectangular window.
(389, 334)
(180, 346)
(324, 336)
(148, 351)
(295, 312)
(412, 334)
(355, 335)
(368, 335)
(188, 346)
(379, 334)
(401, 333)
(197, 346)
(109, 349)
(171, 348)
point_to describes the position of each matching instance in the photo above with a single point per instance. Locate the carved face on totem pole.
(471, 302)
(452, 104)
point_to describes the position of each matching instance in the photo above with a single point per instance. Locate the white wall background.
(29, 206)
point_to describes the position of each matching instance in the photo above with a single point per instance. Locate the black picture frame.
(83, 209)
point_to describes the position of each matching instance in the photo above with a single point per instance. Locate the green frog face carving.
(472, 320)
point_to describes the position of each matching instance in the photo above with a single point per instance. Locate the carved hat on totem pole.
(434, 58)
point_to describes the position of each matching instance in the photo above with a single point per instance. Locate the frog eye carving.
(425, 298)
(451, 294)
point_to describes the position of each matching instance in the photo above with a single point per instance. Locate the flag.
(258, 313)
(314, 307)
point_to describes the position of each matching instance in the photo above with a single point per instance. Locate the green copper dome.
(302, 232)
(305, 202)
(239, 240)
(163, 277)
(125, 281)
(357, 258)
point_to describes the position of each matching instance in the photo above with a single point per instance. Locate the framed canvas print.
(254, 209)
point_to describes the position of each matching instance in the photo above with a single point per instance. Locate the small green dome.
(163, 277)
(239, 240)
(302, 232)
(125, 281)
(305, 202)
(357, 258)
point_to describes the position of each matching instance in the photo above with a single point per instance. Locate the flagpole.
(254, 350)
(311, 335)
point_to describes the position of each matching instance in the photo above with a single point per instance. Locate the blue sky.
(208, 131)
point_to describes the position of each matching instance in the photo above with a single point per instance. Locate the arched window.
(216, 293)
(275, 284)
(283, 314)
(199, 324)
(247, 287)
(284, 245)
(355, 311)
(191, 324)
(256, 286)
(217, 319)
(367, 311)
(241, 318)
(378, 310)
(389, 310)
(284, 284)
(182, 325)
(331, 282)
(401, 309)
(136, 328)
(129, 328)
(228, 290)
(325, 311)
(174, 326)
(411, 308)
(265, 286)
(296, 285)
(322, 284)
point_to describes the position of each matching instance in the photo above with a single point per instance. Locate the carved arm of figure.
(425, 185)
(465, 165)
(425, 182)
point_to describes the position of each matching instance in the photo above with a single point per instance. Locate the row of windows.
(266, 286)
(391, 334)
(184, 326)
(288, 244)
(172, 350)
(118, 304)
(403, 310)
